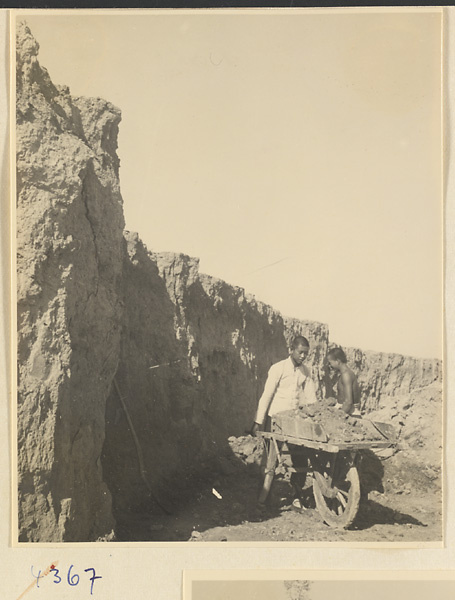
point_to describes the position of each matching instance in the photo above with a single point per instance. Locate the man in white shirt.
(288, 386)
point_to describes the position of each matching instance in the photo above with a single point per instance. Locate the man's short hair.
(337, 354)
(299, 340)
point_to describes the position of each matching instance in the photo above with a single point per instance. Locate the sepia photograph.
(376, 586)
(229, 281)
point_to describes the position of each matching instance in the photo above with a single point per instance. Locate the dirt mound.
(247, 448)
(417, 417)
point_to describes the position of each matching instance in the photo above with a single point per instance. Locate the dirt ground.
(401, 503)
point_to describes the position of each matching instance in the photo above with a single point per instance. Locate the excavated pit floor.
(402, 504)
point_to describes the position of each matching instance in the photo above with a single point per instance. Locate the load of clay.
(324, 422)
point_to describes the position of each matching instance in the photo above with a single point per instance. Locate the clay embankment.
(69, 241)
(100, 316)
(381, 375)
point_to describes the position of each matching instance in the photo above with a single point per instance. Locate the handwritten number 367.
(73, 579)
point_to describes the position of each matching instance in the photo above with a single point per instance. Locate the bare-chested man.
(348, 390)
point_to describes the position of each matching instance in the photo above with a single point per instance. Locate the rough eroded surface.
(381, 374)
(69, 233)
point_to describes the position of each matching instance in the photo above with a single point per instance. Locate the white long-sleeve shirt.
(287, 387)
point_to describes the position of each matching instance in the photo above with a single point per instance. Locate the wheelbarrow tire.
(339, 511)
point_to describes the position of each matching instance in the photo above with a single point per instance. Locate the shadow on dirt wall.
(183, 384)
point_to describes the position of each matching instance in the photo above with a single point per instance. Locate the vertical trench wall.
(69, 241)
(381, 374)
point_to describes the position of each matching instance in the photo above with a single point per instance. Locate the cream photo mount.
(411, 544)
(147, 570)
(290, 584)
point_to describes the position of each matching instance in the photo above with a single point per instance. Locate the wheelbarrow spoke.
(341, 499)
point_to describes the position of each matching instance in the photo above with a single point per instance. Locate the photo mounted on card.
(228, 230)
(318, 585)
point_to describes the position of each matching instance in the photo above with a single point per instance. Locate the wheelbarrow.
(333, 466)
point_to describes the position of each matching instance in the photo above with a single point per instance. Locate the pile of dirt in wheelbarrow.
(323, 422)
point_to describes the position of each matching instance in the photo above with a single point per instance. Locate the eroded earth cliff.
(134, 368)
(69, 263)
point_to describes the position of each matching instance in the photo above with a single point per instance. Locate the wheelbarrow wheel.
(336, 489)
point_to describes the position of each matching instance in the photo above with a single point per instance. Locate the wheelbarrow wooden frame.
(336, 484)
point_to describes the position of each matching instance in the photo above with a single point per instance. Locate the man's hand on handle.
(254, 429)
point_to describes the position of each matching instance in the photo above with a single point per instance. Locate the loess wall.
(69, 243)
(133, 367)
(381, 374)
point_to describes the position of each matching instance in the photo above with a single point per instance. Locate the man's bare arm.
(348, 396)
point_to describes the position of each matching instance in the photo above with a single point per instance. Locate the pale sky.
(297, 154)
(326, 590)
